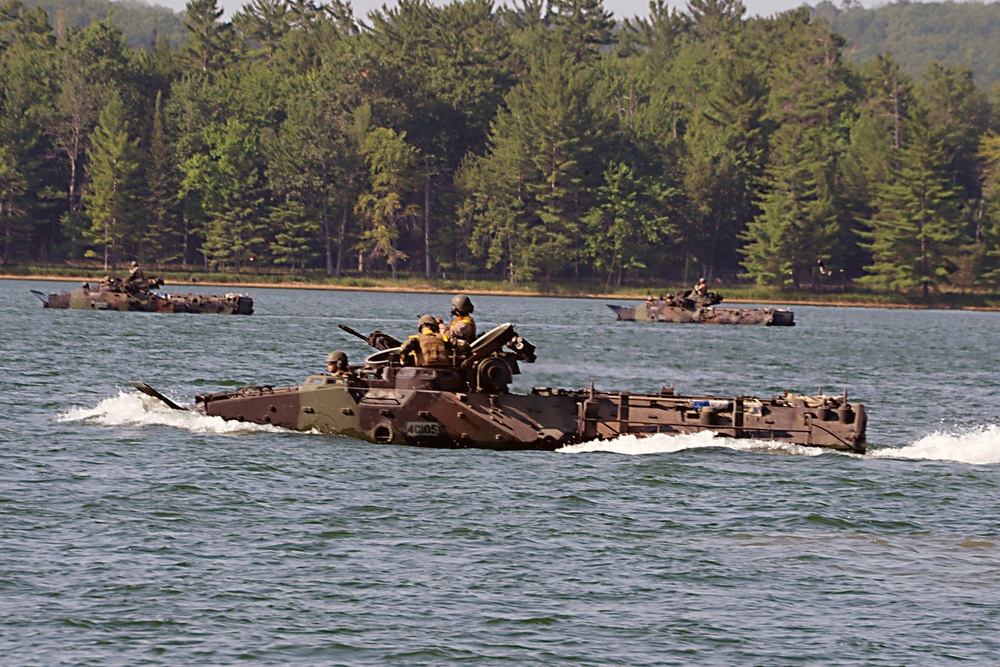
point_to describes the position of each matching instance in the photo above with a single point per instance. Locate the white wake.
(130, 409)
(661, 443)
(979, 445)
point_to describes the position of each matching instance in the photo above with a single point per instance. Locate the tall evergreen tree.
(164, 239)
(391, 163)
(227, 185)
(962, 111)
(883, 104)
(626, 224)
(27, 91)
(917, 224)
(95, 64)
(264, 23)
(211, 43)
(722, 167)
(111, 202)
(810, 101)
(584, 26)
(989, 230)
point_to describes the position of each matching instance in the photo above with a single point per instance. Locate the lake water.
(135, 535)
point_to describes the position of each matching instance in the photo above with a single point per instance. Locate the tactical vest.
(463, 327)
(432, 350)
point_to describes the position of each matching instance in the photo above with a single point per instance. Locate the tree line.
(546, 140)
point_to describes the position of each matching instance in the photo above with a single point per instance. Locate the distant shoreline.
(619, 296)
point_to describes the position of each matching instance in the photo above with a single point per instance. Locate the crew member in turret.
(135, 274)
(701, 288)
(462, 327)
(430, 347)
(336, 365)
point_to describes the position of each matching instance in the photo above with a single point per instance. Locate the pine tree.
(111, 201)
(810, 98)
(917, 224)
(211, 43)
(989, 232)
(27, 64)
(295, 232)
(584, 26)
(226, 185)
(164, 237)
(626, 225)
(391, 162)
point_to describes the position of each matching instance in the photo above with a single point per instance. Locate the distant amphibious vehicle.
(469, 406)
(112, 293)
(689, 308)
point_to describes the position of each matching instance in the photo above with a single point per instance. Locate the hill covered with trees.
(525, 143)
(140, 22)
(918, 34)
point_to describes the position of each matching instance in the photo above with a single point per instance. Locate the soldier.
(463, 327)
(430, 347)
(701, 288)
(135, 274)
(336, 364)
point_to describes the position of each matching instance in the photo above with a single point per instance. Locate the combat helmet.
(427, 321)
(338, 358)
(462, 305)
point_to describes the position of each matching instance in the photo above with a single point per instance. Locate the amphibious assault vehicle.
(689, 308)
(113, 293)
(470, 406)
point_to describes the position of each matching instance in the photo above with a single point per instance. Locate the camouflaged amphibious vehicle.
(112, 293)
(470, 406)
(692, 309)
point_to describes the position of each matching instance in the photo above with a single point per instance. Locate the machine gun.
(377, 339)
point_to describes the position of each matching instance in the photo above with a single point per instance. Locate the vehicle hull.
(661, 312)
(101, 298)
(426, 407)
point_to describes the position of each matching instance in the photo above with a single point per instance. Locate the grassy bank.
(733, 293)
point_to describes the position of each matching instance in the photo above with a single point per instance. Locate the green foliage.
(539, 142)
(625, 228)
(917, 225)
(391, 162)
(142, 23)
(228, 186)
(919, 34)
(989, 235)
(115, 227)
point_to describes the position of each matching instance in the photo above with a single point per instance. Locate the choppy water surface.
(131, 534)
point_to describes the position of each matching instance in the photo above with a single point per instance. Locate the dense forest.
(918, 34)
(141, 23)
(541, 141)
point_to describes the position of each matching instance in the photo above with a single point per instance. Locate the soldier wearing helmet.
(336, 364)
(462, 327)
(701, 288)
(430, 347)
(135, 274)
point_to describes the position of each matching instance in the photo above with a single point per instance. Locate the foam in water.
(979, 445)
(661, 443)
(129, 409)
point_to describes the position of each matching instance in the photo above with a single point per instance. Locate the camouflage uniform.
(463, 327)
(135, 274)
